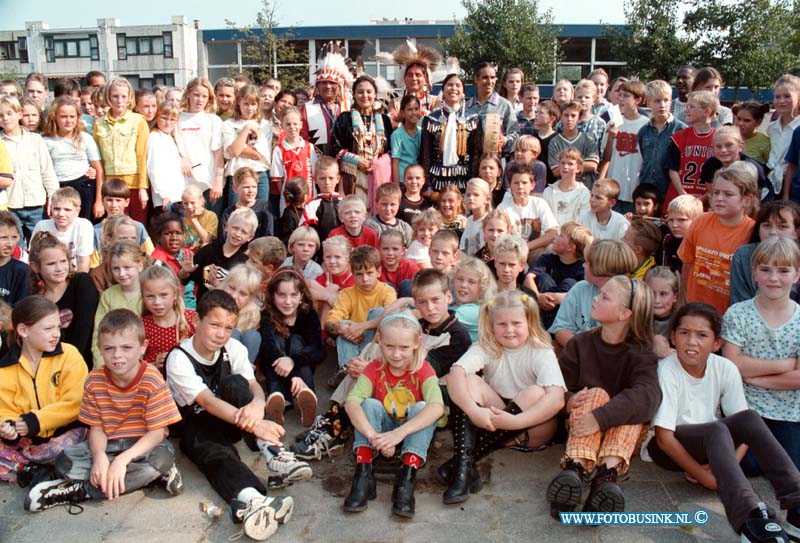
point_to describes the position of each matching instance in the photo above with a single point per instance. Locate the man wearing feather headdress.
(330, 97)
(417, 66)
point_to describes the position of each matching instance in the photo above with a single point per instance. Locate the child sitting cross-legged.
(703, 428)
(213, 383)
(520, 393)
(553, 275)
(394, 404)
(128, 410)
(612, 383)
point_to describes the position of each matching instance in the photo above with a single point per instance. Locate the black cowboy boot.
(486, 442)
(605, 494)
(564, 491)
(465, 478)
(403, 493)
(362, 489)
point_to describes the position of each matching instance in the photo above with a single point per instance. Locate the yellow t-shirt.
(6, 174)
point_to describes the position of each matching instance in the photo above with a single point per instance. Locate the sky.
(84, 13)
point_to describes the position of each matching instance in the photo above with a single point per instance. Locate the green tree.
(264, 47)
(510, 33)
(749, 42)
(650, 39)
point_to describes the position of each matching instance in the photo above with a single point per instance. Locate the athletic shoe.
(275, 407)
(307, 402)
(261, 516)
(762, 527)
(173, 481)
(285, 464)
(319, 442)
(59, 492)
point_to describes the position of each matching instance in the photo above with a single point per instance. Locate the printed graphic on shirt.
(627, 143)
(712, 270)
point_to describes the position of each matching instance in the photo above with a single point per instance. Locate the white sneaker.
(286, 464)
(261, 516)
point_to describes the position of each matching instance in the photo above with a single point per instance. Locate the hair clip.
(524, 298)
(490, 303)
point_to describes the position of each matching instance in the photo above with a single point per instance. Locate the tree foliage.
(263, 48)
(650, 41)
(750, 42)
(510, 33)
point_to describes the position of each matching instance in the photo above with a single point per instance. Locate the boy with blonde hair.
(336, 275)
(387, 204)
(568, 199)
(601, 219)
(681, 212)
(589, 123)
(199, 224)
(353, 214)
(303, 245)
(212, 262)
(684, 168)
(74, 232)
(621, 147)
(528, 149)
(655, 136)
(245, 185)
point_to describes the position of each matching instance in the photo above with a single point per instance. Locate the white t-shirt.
(522, 218)
(78, 237)
(199, 135)
(688, 400)
(515, 370)
(231, 130)
(626, 157)
(69, 162)
(615, 229)
(183, 381)
(472, 238)
(567, 206)
(164, 168)
(780, 138)
(418, 253)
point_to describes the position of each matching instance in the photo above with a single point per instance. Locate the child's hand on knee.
(577, 399)
(585, 425)
(99, 472)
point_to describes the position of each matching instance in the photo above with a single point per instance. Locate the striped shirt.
(129, 412)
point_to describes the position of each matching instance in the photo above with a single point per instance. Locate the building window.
(144, 45)
(8, 50)
(157, 80)
(78, 47)
(22, 46)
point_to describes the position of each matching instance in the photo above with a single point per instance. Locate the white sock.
(248, 494)
(264, 446)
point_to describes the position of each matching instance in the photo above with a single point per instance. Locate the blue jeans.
(347, 349)
(75, 463)
(788, 435)
(218, 206)
(416, 443)
(28, 217)
(251, 339)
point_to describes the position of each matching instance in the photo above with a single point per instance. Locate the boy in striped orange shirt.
(128, 408)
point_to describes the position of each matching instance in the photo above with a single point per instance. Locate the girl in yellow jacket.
(41, 386)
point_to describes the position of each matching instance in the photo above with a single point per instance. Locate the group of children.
(548, 302)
